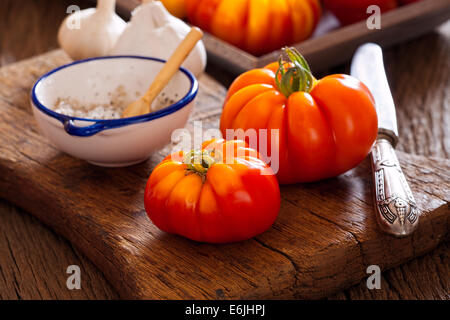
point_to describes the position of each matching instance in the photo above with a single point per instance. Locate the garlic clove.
(91, 32)
(154, 32)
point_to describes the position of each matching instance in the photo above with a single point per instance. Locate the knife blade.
(368, 66)
(396, 209)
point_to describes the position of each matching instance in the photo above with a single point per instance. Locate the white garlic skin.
(99, 31)
(154, 32)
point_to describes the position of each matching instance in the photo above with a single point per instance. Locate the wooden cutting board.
(323, 241)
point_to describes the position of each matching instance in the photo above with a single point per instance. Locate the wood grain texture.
(34, 262)
(425, 278)
(33, 258)
(422, 92)
(323, 240)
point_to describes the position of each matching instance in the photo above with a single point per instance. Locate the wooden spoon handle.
(173, 64)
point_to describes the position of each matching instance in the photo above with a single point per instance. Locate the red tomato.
(222, 193)
(326, 126)
(257, 26)
(350, 11)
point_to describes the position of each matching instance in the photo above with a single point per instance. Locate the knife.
(396, 210)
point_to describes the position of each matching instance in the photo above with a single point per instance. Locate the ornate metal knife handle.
(396, 209)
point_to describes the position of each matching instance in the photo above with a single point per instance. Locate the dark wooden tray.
(323, 241)
(331, 45)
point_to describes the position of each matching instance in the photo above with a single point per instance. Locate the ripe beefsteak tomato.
(325, 127)
(256, 26)
(222, 193)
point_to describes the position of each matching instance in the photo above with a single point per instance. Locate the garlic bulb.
(154, 32)
(91, 32)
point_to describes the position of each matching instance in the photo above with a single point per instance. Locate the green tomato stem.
(199, 161)
(296, 78)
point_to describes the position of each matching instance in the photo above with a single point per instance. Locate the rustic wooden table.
(33, 259)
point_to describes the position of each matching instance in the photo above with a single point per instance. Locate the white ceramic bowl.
(118, 142)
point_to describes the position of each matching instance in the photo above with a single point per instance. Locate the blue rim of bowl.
(101, 125)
